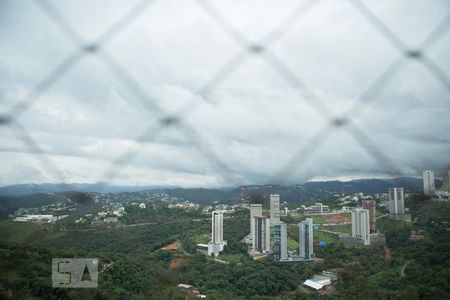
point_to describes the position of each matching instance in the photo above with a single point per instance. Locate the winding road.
(402, 270)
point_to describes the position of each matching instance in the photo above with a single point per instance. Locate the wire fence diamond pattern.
(248, 48)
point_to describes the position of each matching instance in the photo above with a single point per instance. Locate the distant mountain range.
(369, 186)
(359, 185)
(32, 188)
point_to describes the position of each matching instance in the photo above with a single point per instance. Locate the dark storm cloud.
(253, 122)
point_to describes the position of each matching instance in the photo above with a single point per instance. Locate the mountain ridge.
(332, 186)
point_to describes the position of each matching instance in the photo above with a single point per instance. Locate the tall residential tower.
(279, 240)
(261, 238)
(396, 201)
(360, 225)
(306, 237)
(274, 207)
(255, 211)
(446, 181)
(216, 245)
(428, 183)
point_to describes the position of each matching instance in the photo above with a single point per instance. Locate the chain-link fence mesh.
(161, 120)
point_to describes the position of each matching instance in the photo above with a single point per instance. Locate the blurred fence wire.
(161, 120)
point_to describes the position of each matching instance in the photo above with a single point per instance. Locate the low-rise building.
(317, 208)
(318, 282)
(417, 235)
(376, 239)
(202, 248)
(111, 219)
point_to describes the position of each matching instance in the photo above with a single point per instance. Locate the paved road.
(332, 232)
(379, 217)
(402, 270)
(137, 224)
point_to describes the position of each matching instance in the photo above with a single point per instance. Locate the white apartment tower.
(446, 181)
(261, 238)
(306, 237)
(428, 183)
(396, 201)
(217, 227)
(274, 207)
(279, 240)
(360, 225)
(255, 211)
(216, 245)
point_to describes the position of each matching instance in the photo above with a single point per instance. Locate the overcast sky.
(253, 122)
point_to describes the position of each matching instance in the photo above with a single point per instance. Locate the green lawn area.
(21, 232)
(339, 228)
(380, 212)
(320, 236)
(292, 244)
(292, 232)
(292, 219)
(201, 238)
(317, 220)
(232, 257)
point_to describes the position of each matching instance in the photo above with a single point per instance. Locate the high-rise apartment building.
(428, 183)
(255, 211)
(371, 206)
(279, 240)
(261, 238)
(216, 245)
(446, 181)
(396, 201)
(306, 250)
(360, 225)
(217, 227)
(274, 207)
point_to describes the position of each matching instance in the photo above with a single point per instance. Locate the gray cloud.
(253, 122)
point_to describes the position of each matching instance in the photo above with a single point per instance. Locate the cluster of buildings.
(364, 219)
(348, 201)
(268, 234)
(225, 208)
(55, 209)
(110, 215)
(103, 218)
(263, 227)
(184, 205)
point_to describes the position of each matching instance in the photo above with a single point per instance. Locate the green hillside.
(136, 269)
